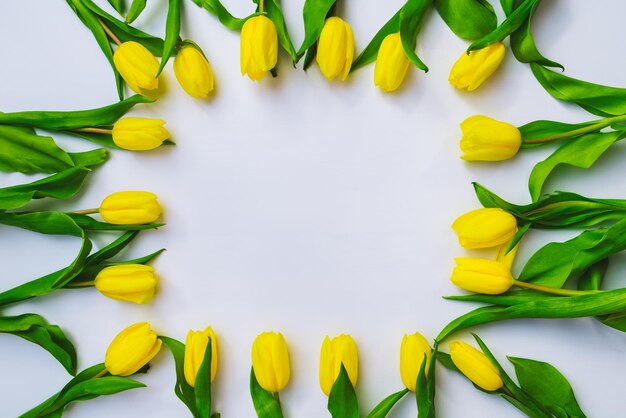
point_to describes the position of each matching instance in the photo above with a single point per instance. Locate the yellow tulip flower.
(475, 366)
(193, 72)
(131, 349)
(486, 139)
(270, 361)
(128, 282)
(195, 348)
(129, 208)
(413, 352)
(137, 66)
(335, 48)
(485, 228)
(479, 275)
(471, 71)
(259, 47)
(392, 64)
(340, 350)
(139, 134)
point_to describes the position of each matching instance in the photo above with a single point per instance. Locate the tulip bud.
(131, 349)
(270, 361)
(391, 63)
(139, 134)
(479, 275)
(485, 228)
(137, 66)
(339, 350)
(259, 47)
(129, 282)
(413, 352)
(486, 139)
(130, 208)
(475, 366)
(335, 48)
(471, 71)
(195, 348)
(193, 71)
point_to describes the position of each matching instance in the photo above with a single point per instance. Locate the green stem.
(554, 290)
(109, 33)
(262, 6)
(79, 285)
(86, 211)
(602, 123)
(94, 130)
(102, 373)
(275, 394)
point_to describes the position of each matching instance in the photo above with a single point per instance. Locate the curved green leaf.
(370, 52)
(274, 12)
(523, 44)
(135, 9)
(425, 388)
(468, 19)
(22, 150)
(384, 407)
(541, 129)
(172, 32)
(203, 384)
(411, 19)
(266, 404)
(314, 14)
(182, 389)
(342, 402)
(223, 15)
(118, 5)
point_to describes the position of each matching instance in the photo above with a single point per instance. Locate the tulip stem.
(276, 395)
(109, 33)
(94, 130)
(86, 211)
(79, 285)
(598, 125)
(262, 6)
(554, 290)
(102, 373)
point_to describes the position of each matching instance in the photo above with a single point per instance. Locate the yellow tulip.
(130, 208)
(475, 366)
(391, 63)
(259, 47)
(335, 48)
(129, 282)
(412, 351)
(486, 139)
(131, 349)
(340, 350)
(485, 228)
(471, 71)
(193, 72)
(270, 361)
(139, 134)
(137, 66)
(479, 275)
(195, 348)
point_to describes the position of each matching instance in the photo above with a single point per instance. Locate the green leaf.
(592, 278)
(507, 6)
(89, 158)
(265, 403)
(603, 303)
(223, 15)
(203, 384)
(182, 389)
(136, 7)
(581, 152)
(541, 129)
(36, 329)
(523, 45)
(68, 120)
(512, 23)
(425, 388)
(594, 98)
(446, 361)
(547, 385)
(24, 151)
(382, 409)
(468, 19)
(88, 223)
(342, 401)
(314, 14)
(370, 52)
(274, 12)
(118, 5)
(411, 19)
(172, 32)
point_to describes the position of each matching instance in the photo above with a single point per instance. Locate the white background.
(304, 206)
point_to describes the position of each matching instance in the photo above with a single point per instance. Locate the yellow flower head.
(139, 134)
(339, 350)
(130, 208)
(270, 361)
(259, 47)
(195, 348)
(193, 72)
(471, 71)
(475, 366)
(335, 48)
(137, 66)
(486, 139)
(131, 349)
(129, 282)
(485, 228)
(479, 275)
(391, 64)
(413, 352)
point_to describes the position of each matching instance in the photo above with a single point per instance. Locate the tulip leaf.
(88, 223)
(547, 385)
(203, 384)
(425, 388)
(223, 15)
(370, 52)
(523, 44)
(508, 6)
(172, 32)
(36, 329)
(594, 98)
(69, 120)
(411, 19)
(26, 152)
(342, 401)
(135, 9)
(592, 278)
(468, 19)
(512, 23)
(314, 14)
(604, 303)
(581, 152)
(274, 12)
(384, 407)
(265, 403)
(542, 129)
(182, 389)
(118, 5)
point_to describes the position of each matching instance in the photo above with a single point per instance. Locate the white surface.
(306, 207)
